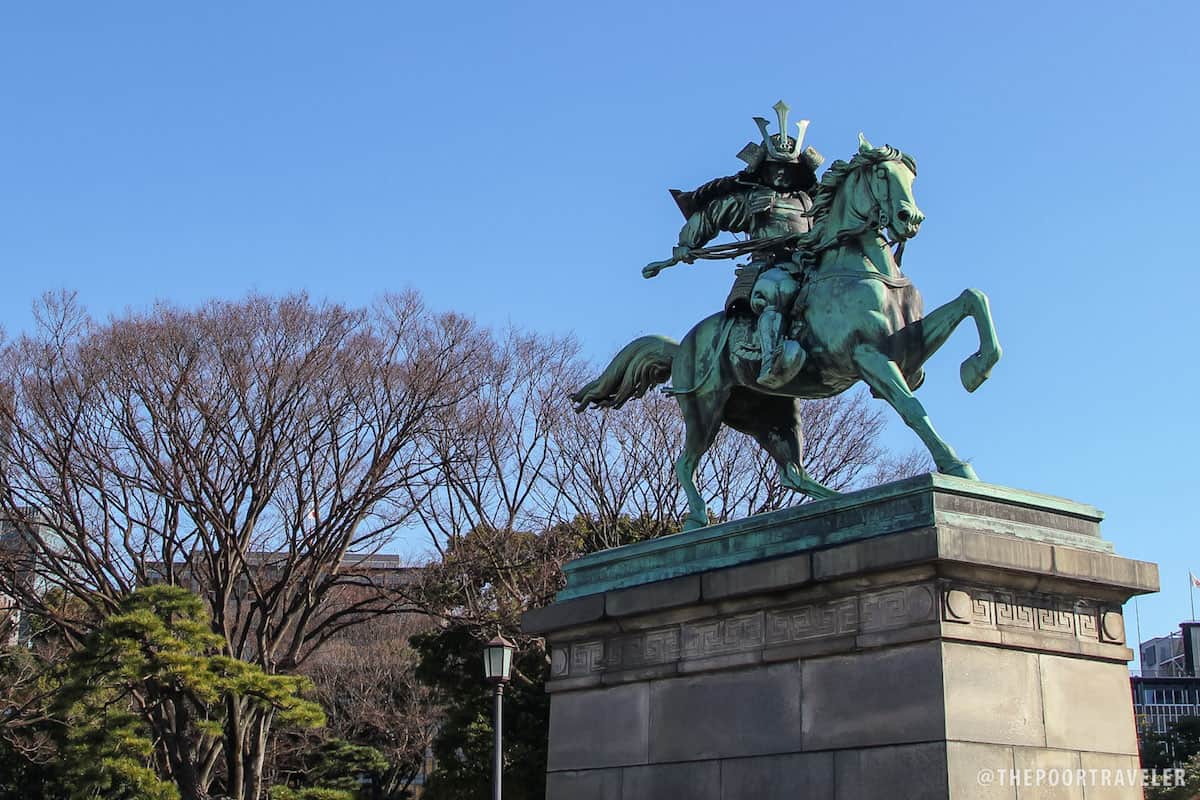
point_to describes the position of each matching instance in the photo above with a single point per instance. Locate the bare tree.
(516, 461)
(493, 452)
(613, 467)
(495, 445)
(25, 694)
(619, 464)
(367, 684)
(241, 449)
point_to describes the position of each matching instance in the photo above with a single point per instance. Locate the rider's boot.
(782, 359)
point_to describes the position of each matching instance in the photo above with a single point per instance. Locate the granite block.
(700, 780)
(596, 728)
(877, 697)
(726, 714)
(765, 576)
(1099, 766)
(591, 784)
(968, 761)
(993, 696)
(653, 596)
(902, 772)
(1047, 774)
(783, 777)
(1087, 705)
(564, 614)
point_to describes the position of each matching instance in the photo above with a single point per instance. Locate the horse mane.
(819, 238)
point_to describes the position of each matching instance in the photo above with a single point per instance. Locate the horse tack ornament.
(823, 303)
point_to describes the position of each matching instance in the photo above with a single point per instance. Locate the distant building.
(10, 621)
(1163, 656)
(13, 568)
(1168, 686)
(371, 569)
(20, 542)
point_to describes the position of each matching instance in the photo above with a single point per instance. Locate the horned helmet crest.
(780, 146)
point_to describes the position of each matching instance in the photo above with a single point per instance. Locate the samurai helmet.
(780, 146)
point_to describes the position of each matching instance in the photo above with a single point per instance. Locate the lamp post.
(497, 664)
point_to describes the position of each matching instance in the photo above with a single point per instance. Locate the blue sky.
(511, 161)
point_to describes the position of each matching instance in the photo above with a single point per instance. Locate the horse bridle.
(883, 217)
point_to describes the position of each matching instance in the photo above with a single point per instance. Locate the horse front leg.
(937, 326)
(883, 375)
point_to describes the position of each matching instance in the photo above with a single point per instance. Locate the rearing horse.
(861, 320)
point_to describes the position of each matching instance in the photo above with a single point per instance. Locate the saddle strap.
(888, 280)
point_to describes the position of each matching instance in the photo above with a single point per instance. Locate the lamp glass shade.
(497, 660)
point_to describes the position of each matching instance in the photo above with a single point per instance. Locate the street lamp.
(497, 664)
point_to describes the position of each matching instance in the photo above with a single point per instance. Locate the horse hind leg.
(883, 375)
(937, 326)
(778, 444)
(702, 421)
(774, 422)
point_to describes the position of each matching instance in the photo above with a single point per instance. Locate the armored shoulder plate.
(691, 202)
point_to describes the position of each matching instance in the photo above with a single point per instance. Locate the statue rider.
(768, 200)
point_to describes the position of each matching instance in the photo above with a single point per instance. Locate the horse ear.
(863, 145)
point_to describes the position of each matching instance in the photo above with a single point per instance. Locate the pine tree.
(143, 701)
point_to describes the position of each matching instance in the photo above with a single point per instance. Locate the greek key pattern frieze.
(720, 636)
(896, 608)
(1054, 616)
(1086, 621)
(818, 620)
(883, 610)
(587, 657)
(643, 649)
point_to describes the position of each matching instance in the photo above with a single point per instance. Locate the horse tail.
(642, 363)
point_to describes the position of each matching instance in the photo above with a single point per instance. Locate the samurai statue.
(769, 201)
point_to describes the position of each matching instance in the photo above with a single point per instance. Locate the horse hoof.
(816, 491)
(691, 524)
(806, 485)
(960, 469)
(973, 372)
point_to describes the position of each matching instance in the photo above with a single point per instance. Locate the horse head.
(870, 192)
(890, 184)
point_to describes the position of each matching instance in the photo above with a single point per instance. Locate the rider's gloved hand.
(678, 253)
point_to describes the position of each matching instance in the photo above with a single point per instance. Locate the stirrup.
(788, 361)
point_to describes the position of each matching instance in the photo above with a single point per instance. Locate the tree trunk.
(256, 755)
(235, 731)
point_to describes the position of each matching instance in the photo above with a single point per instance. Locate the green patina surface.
(919, 502)
(820, 305)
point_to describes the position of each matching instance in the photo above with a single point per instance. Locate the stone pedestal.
(893, 643)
